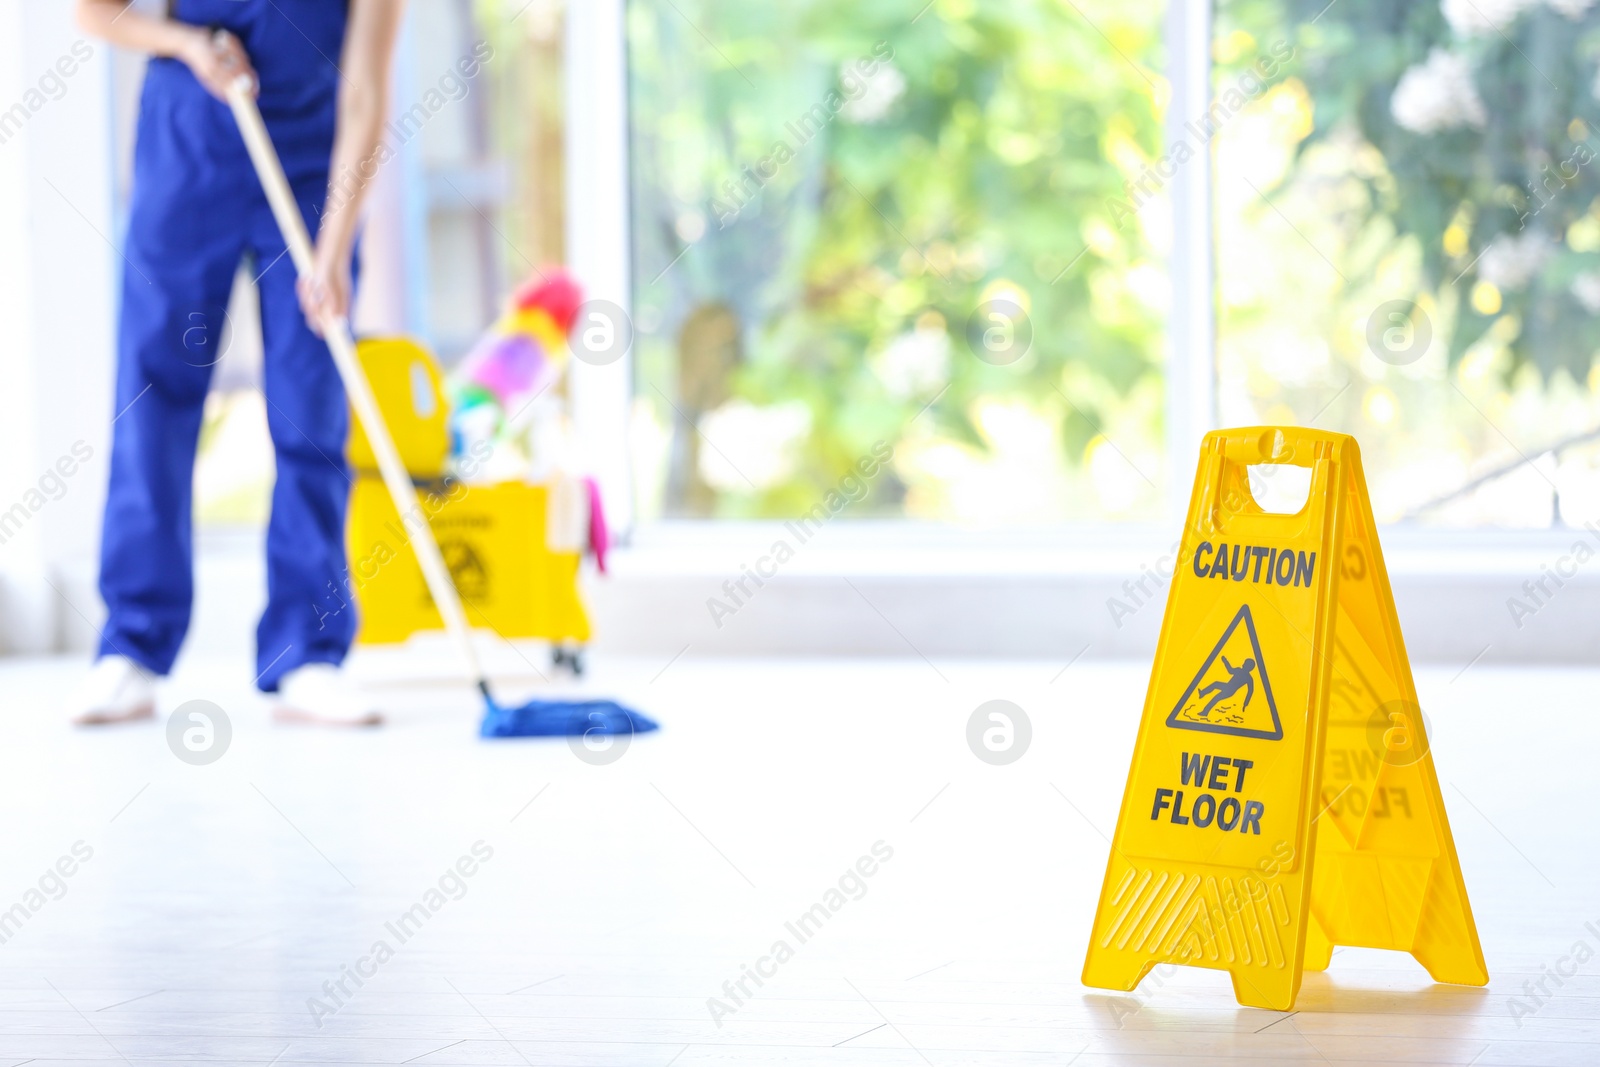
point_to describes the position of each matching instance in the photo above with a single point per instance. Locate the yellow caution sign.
(1282, 798)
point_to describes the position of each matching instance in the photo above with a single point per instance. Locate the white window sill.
(907, 589)
(714, 548)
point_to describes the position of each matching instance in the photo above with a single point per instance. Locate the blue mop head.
(563, 718)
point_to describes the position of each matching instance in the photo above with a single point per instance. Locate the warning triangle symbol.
(1231, 694)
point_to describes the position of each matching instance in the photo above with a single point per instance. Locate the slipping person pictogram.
(1228, 699)
(1238, 677)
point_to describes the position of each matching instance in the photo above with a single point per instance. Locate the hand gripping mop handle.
(336, 330)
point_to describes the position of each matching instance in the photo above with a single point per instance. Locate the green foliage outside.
(1407, 243)
(1518, 170)
(990, 173)
(1430, 156)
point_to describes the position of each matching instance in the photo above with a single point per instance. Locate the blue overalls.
(196, 210)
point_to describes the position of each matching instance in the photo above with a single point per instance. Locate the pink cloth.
(599, 534)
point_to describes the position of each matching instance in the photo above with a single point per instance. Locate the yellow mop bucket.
(512, 548)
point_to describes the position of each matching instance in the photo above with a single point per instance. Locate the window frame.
(599, 236)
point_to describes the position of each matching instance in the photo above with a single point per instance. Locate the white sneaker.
(321, 693)
(116, 689)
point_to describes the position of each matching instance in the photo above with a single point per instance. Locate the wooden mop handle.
(336, 330)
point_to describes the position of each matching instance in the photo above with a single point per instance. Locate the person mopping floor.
(321, 72)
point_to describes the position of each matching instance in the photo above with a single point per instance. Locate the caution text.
(1274, 566)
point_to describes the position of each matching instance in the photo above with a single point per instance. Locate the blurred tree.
(853, 183)
(1481, 113)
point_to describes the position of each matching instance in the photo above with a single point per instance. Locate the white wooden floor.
(620, 898)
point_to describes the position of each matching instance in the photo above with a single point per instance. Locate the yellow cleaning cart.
(513, 547)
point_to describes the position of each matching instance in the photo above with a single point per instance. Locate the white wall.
(57, 301)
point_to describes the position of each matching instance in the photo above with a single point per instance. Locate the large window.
(1408, 244)
(871, 245)
(1404, 220)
